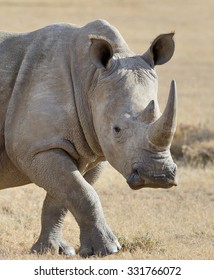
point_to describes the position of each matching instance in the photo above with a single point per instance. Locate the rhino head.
(134, 136)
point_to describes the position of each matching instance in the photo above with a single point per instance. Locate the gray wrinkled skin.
(70, 98)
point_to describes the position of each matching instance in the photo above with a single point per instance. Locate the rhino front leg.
(56, 172)
(87, 239)
(93, 174)
(50, 239)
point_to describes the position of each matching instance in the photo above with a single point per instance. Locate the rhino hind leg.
(50, 239)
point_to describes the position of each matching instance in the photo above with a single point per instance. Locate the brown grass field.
(151, 224)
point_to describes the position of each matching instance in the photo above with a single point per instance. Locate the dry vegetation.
(193, 145)
(151, 224)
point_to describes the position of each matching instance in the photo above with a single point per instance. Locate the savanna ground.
(151, 224)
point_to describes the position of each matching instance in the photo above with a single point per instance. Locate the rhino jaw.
(141, 179)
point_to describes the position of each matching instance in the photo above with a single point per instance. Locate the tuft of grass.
(199, 154)
(143, 243)
(193, 145)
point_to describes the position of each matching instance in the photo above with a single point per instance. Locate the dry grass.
(193, 145)
(151, 224)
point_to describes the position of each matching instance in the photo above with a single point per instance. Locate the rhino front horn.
(162, 130)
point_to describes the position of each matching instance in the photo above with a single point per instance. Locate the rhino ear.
(161, 50)
(100, 52)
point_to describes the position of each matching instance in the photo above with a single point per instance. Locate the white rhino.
(72, 97)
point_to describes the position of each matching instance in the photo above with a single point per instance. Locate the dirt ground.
(151, 224)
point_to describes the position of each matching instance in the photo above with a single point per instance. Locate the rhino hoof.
(97, 241)
(61, 248)
(101, 252)
(68, 251)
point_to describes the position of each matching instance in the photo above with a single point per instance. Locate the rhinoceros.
(71, 98)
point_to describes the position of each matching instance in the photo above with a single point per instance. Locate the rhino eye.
(117, 130)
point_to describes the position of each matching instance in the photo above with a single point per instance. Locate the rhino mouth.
(138, 181)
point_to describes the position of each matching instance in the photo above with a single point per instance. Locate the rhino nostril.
(137, 167)
(135, 172)
(134, 175)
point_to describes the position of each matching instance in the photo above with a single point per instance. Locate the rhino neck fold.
(90, 150)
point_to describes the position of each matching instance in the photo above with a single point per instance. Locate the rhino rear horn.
(161, 132)
(149, 114)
